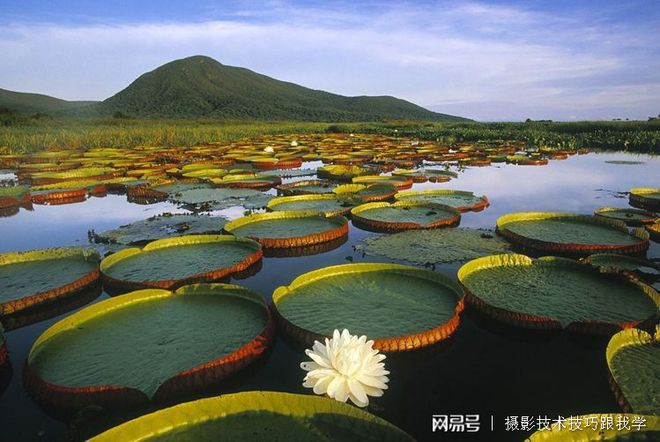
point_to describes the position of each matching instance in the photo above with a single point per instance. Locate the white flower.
(269, 149)
(346, 367)
(294, 143)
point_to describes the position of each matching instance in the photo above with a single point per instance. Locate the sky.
(490, 61)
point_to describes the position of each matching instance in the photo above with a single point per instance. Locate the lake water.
(486, 368)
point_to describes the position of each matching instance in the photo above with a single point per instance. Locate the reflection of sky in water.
(566, 185)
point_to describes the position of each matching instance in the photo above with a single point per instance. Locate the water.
(486, 369)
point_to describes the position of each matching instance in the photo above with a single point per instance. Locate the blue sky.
(500, 60)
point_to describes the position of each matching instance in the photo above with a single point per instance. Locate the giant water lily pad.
(307, 187)
(328, 204)
(399, 182)
(645, 197)
(161, 226)
(435, 245)
(148, 344)
(340, 171)
(554, 293)
(361, 193)
(399, 307)
(256, 416)
(646, 270)
(404, 215)
(173, 262)
(459, 199)
(218, 199)
(633, 357)
(14, 196)
(28, 279)
(570, 233)
(288, 229)
(632, 217)
(589, 427)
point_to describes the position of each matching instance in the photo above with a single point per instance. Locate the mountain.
(201, 87)
(23, 102)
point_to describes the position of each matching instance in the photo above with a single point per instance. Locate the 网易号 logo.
(455, 423)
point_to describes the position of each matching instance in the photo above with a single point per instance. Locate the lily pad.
(306, 187)
(588, 428)
(399, 307)
(553, 293)
(625, 162)
(256, 416)
(291, 173)
(571, 233)
(632, 217)
(609, 262)
(404, 215)
(400, 182)
(330, 205)
(459, 199)
(436, 245)
(159, 227)
(218, 199)
(36, 277)
(633, 357)
(149, 344)
(173, 262)
(14, 196)
(645, 198)
(654, 231)
(340, 172)
(288, 229)
(366, 193)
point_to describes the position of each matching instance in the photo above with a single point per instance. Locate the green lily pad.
(307, 187)
(625, 162)
(145, 339)
(632, 217)
(291, 173)
(159, 227)
(289, 228)
(459, 199)
(633, 357)
(646, 270)
(172, 262)
(175, 188)
(645, 197)
(328, 204)
(361, 193)
(256, 416)
(400, 307)
(35, 277)
(555, 292)
(567, 232)
(436, 245)
(588, 427)
(404, 215)
(218, 199)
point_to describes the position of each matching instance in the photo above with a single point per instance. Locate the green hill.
(202, 87)
(23, 102)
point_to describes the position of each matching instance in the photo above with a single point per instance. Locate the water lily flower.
(346, 367)
(269, 149)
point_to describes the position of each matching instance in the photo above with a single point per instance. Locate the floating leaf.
(436, 246)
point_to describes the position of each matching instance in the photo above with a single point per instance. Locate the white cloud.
(483, 61)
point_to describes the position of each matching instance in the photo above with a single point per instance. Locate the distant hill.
(23, 102)
(201, 87)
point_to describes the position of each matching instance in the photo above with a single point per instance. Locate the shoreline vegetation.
(40, 132)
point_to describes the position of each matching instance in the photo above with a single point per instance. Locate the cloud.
(483, 61)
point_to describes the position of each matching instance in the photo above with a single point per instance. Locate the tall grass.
(130, 133)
